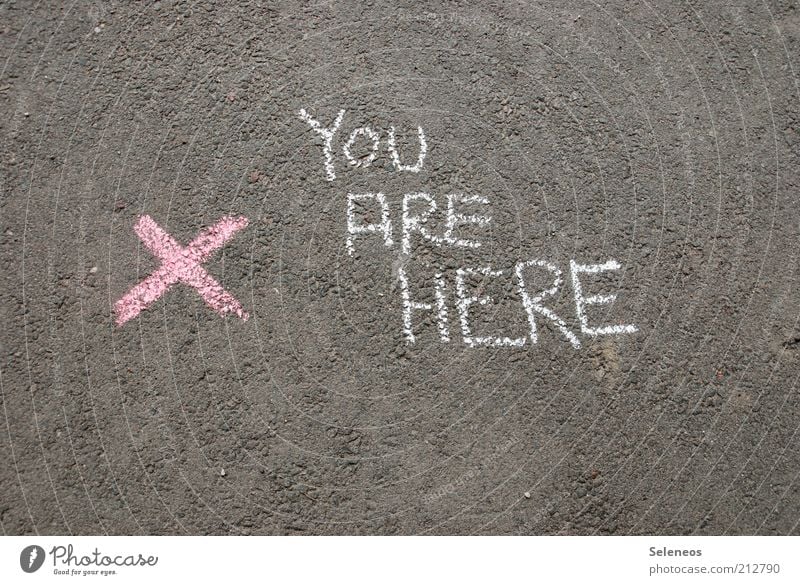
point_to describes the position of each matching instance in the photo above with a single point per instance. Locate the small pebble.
(93, 270)
(528, 495)
(222, 472)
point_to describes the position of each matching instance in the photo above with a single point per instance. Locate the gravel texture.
(664, 136)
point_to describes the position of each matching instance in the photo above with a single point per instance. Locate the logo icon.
(31, 558)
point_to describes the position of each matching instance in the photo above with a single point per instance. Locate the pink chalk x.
(181, 264)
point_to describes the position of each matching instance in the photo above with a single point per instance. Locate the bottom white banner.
(374, 560)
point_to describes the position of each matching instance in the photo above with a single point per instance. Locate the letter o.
(366, 131)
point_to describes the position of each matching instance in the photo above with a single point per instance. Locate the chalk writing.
(179, 264)
(374, 136)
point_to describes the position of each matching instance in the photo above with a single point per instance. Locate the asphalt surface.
(662, 136)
